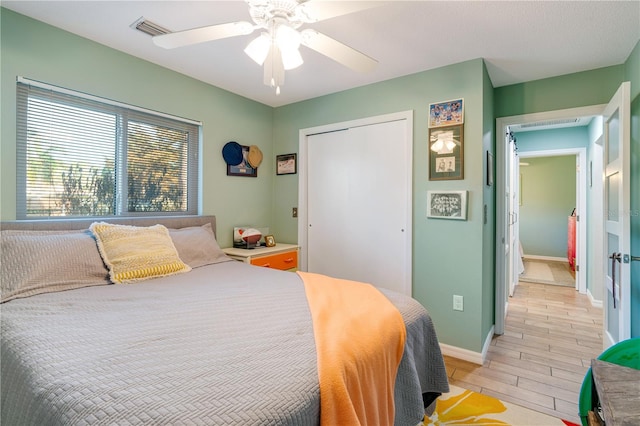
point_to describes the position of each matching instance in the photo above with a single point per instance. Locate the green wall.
(567, 91)
(548, 194)
(448, 256)
(41, 52)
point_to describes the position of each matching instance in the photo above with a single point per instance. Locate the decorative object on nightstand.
(269, 241)
(246, 237)
(281, 256)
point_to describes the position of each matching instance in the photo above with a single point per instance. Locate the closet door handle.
(614, 257)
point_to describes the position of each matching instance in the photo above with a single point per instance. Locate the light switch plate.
(458, 303)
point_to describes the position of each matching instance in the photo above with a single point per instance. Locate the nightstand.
(280, 256)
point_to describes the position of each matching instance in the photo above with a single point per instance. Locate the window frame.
(124, 113)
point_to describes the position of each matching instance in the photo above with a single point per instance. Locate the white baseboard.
(594, 302)
(550, 258)
(466, 354)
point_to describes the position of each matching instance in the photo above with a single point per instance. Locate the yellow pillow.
(134, 253)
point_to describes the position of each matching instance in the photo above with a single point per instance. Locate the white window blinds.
(79, 155)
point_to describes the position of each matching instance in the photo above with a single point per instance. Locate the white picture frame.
(447, 205)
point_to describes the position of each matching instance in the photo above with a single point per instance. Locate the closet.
(357, 188)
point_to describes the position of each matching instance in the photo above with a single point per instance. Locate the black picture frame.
(286, 164)
(489, 169)
(447, 205)
(242, 169)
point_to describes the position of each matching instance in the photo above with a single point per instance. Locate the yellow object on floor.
(464, 407)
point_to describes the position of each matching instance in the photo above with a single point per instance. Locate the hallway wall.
(548, 196)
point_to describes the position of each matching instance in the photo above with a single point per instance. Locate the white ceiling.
(519, 40)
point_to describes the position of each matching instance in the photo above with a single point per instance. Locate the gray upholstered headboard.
(70, 224)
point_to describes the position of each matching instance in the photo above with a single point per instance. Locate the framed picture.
(489, 169)
(269, 241)
(242, 169)
(447, 204)
(446, 113)
(446, 153)
(286, 164)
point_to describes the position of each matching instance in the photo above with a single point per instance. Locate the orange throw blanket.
(360, 339)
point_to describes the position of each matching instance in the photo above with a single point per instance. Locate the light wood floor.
(551, 335)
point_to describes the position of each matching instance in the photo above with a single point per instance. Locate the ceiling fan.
(277, 47)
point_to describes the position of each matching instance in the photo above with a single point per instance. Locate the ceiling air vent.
(549, 123)
(149, 27)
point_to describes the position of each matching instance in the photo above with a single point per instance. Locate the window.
(79, 155)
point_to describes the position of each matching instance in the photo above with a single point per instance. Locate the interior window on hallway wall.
(548, 197)
(80, 155)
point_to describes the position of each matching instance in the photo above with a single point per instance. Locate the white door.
(504, 261)
(514, 216)
(617, 322)
(358, 185)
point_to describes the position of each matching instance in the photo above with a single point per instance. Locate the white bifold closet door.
(358, 187)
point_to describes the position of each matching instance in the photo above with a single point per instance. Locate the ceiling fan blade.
(200, 35)
(319, 10)
(337, 51)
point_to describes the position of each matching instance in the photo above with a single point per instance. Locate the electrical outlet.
(294, 212)
(458, 303)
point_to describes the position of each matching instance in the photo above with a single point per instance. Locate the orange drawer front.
(282, 261)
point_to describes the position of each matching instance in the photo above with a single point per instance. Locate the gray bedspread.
(225, 344)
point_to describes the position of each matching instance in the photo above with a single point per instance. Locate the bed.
(221, 343)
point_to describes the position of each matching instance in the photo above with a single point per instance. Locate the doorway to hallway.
(505, 188)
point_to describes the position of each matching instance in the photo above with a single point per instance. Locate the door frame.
(407, 116)
(501, 300)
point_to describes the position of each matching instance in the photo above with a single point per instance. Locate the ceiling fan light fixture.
(287, 37)
(273, 69)
(288, 41)
(291, 58)
(277, 49)
(259, 48)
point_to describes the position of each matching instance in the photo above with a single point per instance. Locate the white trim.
(594, 302)
(83, 95)
(467, 355)
(549, 258)
(303, 135)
